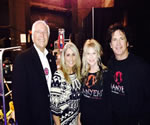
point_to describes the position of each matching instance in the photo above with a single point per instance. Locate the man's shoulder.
(25, 54)
(140, 64)
(50, 55)
(138, 59)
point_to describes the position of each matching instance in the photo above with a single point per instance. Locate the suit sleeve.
(20, 91)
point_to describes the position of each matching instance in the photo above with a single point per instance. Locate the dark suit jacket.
(30, 90)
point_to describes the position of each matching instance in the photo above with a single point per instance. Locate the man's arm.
(19, 85)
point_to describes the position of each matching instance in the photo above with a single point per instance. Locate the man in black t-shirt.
(130, 87)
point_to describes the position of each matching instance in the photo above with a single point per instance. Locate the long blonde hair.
(76, 67)
(98, 48)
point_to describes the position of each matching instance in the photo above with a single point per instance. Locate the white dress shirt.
(46, 66)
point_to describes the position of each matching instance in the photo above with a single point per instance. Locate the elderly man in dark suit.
(32, 75)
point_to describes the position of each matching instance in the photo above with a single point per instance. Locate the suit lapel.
(39, 68)
(52, 63)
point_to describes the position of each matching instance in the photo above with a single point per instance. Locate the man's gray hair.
(40, 21)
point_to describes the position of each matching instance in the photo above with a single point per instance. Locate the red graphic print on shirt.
(91, 81)
(118, 77)
(117, 86)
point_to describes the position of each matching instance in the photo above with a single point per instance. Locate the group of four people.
(80, 94)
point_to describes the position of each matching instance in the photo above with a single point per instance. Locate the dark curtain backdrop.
(137, 20)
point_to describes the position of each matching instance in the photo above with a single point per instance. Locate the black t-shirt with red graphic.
(129, 89)
(95, 101)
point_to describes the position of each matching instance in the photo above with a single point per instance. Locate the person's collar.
(39, 51)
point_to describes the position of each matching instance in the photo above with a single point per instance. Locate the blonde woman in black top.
(95, 101)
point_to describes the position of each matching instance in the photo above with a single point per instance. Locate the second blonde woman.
(65, 87)
(95, 100)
